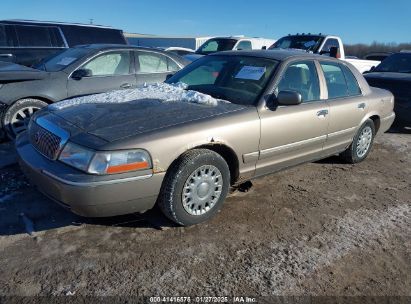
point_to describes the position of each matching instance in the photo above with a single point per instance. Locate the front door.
(108, 71)
(294, 134)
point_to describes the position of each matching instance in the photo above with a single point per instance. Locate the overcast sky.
(353, 20)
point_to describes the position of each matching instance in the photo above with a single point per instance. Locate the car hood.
(10, 72)
(114, 121)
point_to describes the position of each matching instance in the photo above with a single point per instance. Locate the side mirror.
(289, 98)
(81, 73)
(370, 71)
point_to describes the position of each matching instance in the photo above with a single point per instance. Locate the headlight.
(119, 162)
(76, 156)
(105, 162)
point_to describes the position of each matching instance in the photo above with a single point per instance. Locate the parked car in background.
(241, 115)
(239, 43)
(180, 51)
(377, 56)
(81, 70)
(323, 45)
(394, 74)
(27, 42)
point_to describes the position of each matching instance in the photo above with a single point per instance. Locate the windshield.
(61, 60)
(216, 45)
(238, 79)
(306, 42)
(399, 63)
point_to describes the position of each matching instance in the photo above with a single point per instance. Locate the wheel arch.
(226, 152)
(375, 117)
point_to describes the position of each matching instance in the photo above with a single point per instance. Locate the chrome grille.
(44, 141)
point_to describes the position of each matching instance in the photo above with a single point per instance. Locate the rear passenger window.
(301, 77)
(335, 79)
(340, 80)
(352, 83)
(155, 63)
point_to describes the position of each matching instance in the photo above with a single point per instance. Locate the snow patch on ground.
(288, 264)
(159, 91)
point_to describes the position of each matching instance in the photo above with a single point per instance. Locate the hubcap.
(202, 190)
(21, 119)
(364, 141)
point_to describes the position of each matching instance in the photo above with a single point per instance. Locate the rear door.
(153, 67)
(111, 70)
(294, 134)
(346, 103)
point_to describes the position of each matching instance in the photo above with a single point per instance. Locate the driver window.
(244, 45)
(109, 64)
(301, 77)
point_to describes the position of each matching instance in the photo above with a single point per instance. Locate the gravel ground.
(323, 228)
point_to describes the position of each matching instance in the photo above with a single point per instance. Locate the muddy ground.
(324, 228)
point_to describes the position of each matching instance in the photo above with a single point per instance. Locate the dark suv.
(28, 42)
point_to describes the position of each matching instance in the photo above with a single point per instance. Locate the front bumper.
(84, 194)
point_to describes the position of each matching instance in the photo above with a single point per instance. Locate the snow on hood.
(158, 91)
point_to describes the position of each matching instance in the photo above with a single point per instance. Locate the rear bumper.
(87, 195)
(386, 123)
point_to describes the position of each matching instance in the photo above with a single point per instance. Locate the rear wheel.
(361, 145)
(195, 187)
(17, 116)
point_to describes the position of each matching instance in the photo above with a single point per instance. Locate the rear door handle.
(322, 113)
(361, 106)
(126, 85)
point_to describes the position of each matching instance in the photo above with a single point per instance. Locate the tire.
(199, 202)
(17, 116)
(361, 145)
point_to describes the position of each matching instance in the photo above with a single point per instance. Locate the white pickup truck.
(239, 43)
(323, 45)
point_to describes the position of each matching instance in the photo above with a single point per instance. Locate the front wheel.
(361, 145)
(18, 115)
(195, 187)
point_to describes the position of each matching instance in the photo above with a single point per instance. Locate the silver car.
(273, 110)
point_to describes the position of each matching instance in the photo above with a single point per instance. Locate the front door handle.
(126, 85)
(6, 55)
(362, 106)
(322, 113)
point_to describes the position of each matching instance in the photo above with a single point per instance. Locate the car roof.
(51, 23)
(97, 47)
(280, 55)
(108, 46)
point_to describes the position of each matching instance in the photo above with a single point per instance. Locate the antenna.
(91, 21)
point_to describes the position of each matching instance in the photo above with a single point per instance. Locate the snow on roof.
(158, 91)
